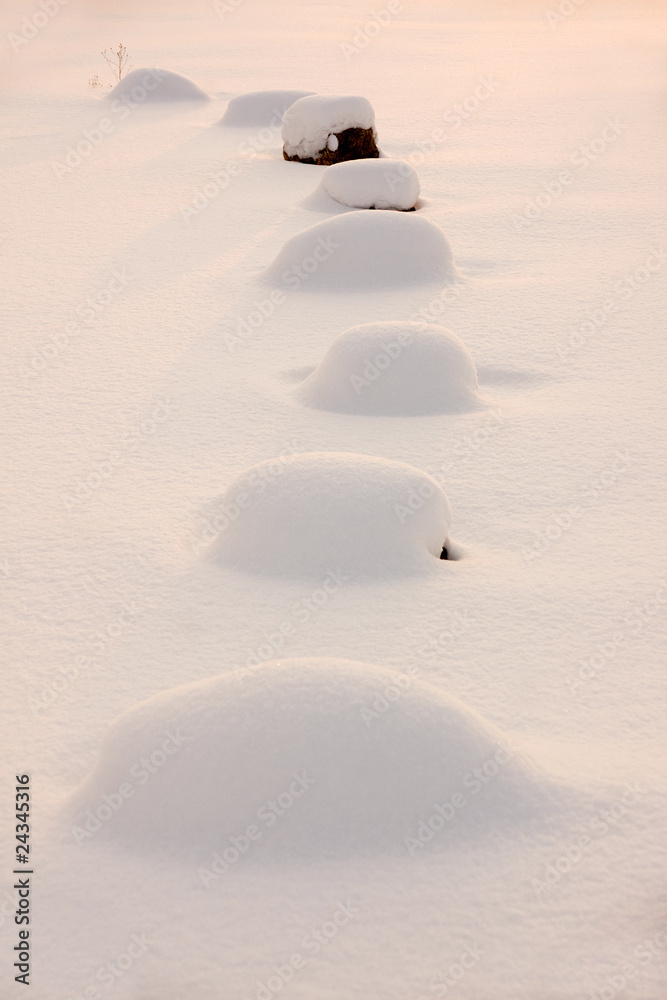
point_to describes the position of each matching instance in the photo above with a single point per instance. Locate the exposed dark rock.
(353, 144)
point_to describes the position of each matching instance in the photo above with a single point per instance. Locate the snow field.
(394, 368)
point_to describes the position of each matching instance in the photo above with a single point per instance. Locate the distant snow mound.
(325, 513)
(364, 250)
(261, 107)
(157, 85)
(381, 183)
(309, 122)
(394, 369)
(303, 758)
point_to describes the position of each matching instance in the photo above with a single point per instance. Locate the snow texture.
(365, 250)
(394, 368)
(331, 512)
(381, 183)
(310, 121)
(157, 86)
(324, 757)
(261, 107)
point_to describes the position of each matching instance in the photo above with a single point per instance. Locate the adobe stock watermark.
(102, 471)
(109, 973)
(92, 138)
(580, 159)
(88, 312)
(454, 117)
(440, 984)
(313, 943)
(364, 35)
(475, 781)
(300, 613)
(645, 953)
(640, 617)
(562, 521)
(293, 278)
(224, 7)
(574, 853)
(268, 815)
(31, 26)
(141, 772)
(564, 10)
(625, 289)
(227, 511)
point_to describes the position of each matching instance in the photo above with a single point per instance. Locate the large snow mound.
(323, 513)
(303, 758)
(157, 85)
(364, 250)
(381, 183)
(261, 107)
(398, 368)
(309, 122)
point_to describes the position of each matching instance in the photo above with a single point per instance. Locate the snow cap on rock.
(394, 368)
(332, 512)
(261, 107)
(157, 86)
(379, 183)
(309, 122)
(304, 758)
(364, 250)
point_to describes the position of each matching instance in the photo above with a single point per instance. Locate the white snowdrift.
(309, 122)
(381, 183)
(157, 85)
(396, 368)
(261, 107)
(331, 512)
(364, 250)
(305, 758)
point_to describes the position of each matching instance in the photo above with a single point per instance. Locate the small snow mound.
(332, 513)
(261, 107)
(157, 85)
(364, 250)
(381, 183)
(394, 369)
(309, 122)
(303, 758)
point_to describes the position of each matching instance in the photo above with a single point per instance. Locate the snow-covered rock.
(397, 368)
(364, 250)
(331, 512)
(329, 128)
(261, 107)
(378, 183)
(157, 85)
(303, 758)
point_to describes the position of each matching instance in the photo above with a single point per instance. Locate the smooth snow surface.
(364, 250)
(329, 513)
(394, 368)
(309, 122)
(157, 86)
(261, 107)
(356, 755)
(380, 183)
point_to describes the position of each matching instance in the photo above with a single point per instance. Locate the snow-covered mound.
(364, 250)
(261, 107)
(331, 512)
(394, 369)
(378, 183)
(313, 124)
(157, 85)
(303, 758)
